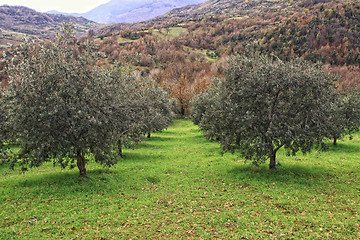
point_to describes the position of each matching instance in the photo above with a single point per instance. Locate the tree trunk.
(238, 141)
(335, 141)
(182, 111)
(272, 164)
(81, 162)
(120, 148)
(149, 135)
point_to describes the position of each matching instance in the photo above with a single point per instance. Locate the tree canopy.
(345, 115)
(65, 109)
(264, 104)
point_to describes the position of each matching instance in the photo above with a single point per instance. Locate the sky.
(68, 6)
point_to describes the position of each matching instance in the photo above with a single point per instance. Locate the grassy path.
(177, 185)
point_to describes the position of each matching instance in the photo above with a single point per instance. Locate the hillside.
(224, 8)
(130, 11)
(186, 48)
(17, 23)
(323, 30)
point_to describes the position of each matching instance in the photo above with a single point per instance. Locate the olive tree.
(3, 128)
(264, 104)
(126, 132)
(62, 108)
(345, 115)
(158, 112)
(148, 107)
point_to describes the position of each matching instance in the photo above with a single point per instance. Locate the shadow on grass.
(164, 132)
(68, 179)
(293, 174)
(133, 156)
(157, 139)
(200, 138)
(344, 148)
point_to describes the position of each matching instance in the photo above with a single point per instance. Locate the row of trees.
(59, 106)
(264, 104)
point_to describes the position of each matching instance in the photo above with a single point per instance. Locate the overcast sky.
(69, 6)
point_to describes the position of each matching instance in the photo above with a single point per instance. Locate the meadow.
(178, 185)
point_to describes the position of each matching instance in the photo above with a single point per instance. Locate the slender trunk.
(81, 162)
(237, 141)
(120, 148)
(335, 141)
(272, 156)
(182, 111)
(272, 164)
(149, 135)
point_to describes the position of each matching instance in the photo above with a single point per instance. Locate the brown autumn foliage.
(349, 77)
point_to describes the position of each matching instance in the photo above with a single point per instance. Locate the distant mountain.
(223, 8)
(17, 23)
(56, 12)
(130, 11)
(64, 13)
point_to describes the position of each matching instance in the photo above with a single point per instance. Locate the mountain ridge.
(131, 11)
(17, 23)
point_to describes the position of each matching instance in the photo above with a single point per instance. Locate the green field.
(177, 185)
(169, 33)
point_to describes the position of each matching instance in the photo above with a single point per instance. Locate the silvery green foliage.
(3, 127)
(264, 104)
(62, 108)
(148, 107)
(175, 106)
(65, 109)
(345, 115)
(129, 100)
(202, 102)
(159, 114)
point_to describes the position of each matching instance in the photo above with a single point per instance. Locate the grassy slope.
(169, 33)
(178, 185)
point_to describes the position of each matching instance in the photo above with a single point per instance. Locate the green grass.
(124, 40)
(169, 33)
(177, 185)
(237, 18)
(204, 53)
(208, 57)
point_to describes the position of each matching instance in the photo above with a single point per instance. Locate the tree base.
(272, 165)
(81, 162)
(273, 168)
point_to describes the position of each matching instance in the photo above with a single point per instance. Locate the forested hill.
(319, 30)
(184, 49)
(17, 23)
(225, 8)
